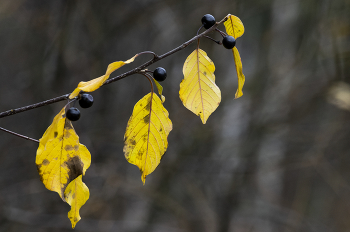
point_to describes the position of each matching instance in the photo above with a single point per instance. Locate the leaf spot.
(70, 147)
(45, 162)
(75, 169)
(146, 119)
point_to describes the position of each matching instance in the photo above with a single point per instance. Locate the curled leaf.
(60, 157)
(239, 70)
(76, 194)
(198, 91)
(234, 27)
(159, 87)
(146, 135)
(96, 83)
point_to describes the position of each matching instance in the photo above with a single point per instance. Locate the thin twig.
(117, 78)
(200, 29)
(223, 34)
(149, 79)
(19, 135)
(148, 52)
(216, 41)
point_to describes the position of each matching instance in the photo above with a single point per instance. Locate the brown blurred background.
(275, 160)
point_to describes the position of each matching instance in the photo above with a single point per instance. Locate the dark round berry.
(73, 114)
(159, 74)
(208, 21)
(86, 100)
(229, 42)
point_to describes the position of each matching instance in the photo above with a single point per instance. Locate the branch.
(19, 135)
(156, 58)
(36, 105)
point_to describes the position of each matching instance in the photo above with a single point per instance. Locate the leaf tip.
(74, 221)
(238, 94)
(131, 59)
(143, 178)
(74, 93)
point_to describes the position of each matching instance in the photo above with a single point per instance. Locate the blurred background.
(276, 159)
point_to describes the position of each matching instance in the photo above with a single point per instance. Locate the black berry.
(86, 100)
(159, 74)
(73, 114)
(229, 42)
(208, 21)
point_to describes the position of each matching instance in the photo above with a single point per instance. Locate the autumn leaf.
(239, 70)
(60, 157)
(159, 87)
(96, 83)
(234, 27)
(198, 91)
(146, 136)
(76, 194)
(160, 90)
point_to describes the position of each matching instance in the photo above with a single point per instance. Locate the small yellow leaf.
(146, 135)
(159, 87)
(239, 70)
(198, 91)
(163, 98)
(60, 157)
(234, 26)
(76, 194)
(96, 83)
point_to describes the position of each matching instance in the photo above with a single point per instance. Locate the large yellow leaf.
(60, 157)
(239, 70)
(198, 91)
(146, 136)
(98, 82)
(234, 26)
(76, 194)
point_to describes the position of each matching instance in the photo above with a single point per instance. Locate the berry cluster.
(208, 21)
(85, 101)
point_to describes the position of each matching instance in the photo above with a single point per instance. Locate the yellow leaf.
(198, 91)
(159, 87)
(76, 194)
(60, 157)
(146, 136)
(160, 90)
(239, 70)
(96, 83)
(234, 26)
